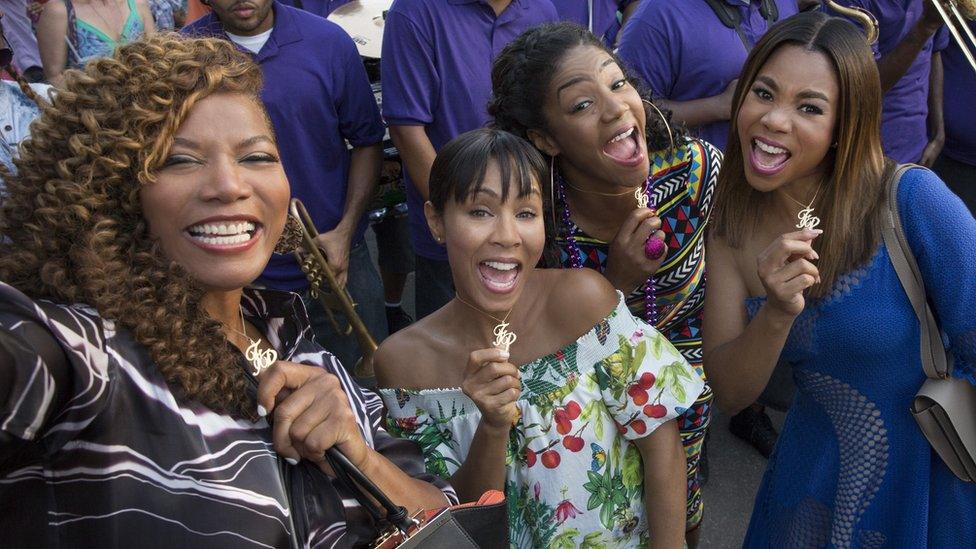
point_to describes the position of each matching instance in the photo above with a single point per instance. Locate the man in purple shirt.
(691, 58)
(436, 74)
(599, 16)
(318, 99)
(905, 52)
(322, 8)
(957, 165)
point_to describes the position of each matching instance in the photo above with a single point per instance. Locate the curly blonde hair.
(71, 222)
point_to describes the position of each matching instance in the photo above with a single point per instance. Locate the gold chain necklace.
(805, 218)
(503, 337)
(600, 193)
(260, 359)
(108, 26)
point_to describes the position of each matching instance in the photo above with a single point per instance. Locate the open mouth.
(624, 148)
(223, 234)
(499, 276)
(768, 158)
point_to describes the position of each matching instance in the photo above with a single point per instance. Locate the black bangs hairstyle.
(459, 170)
(523, 72)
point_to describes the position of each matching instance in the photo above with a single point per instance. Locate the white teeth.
(223, 229)
(623, 136)
(769, 148)
(222, 240)
(501, 266)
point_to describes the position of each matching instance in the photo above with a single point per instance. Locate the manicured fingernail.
(817, 231)
(292, 461)
(261, 411)
(504, 355)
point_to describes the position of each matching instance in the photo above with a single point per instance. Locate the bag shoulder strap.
(934, 361)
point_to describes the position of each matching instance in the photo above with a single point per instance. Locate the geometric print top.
(96, 450)
(683, 187)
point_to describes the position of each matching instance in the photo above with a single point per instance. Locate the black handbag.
(480, 524)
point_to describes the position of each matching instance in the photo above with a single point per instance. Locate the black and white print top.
(96, 451)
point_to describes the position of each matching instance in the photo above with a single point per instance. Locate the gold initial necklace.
(260, 359)
(805, 218)
(503, 337)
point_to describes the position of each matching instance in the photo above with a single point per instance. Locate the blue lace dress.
(851, 468)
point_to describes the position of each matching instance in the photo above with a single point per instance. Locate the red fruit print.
(573, 444)
(638, 395)
(550, 459)
(646, 380)
(655, 410)
(529, 457)
(563, 426)
(573, 410)
(639, 426)
(622, 429)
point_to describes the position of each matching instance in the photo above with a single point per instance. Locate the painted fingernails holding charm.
(653, 248)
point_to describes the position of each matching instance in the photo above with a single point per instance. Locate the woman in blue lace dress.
(72, 32)
(798, 267)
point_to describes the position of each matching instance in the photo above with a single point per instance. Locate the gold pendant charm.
(642, 199)
(503, 338)
(260, 360)
(806, 219)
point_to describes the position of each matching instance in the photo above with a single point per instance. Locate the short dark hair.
(459, 169)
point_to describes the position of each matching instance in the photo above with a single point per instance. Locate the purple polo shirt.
(318, 98)
(904, 132)
(322, 8)
(960, 104)
(683, 51)
(604, 22)
(436, 72)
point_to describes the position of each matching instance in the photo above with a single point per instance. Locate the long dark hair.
(853, 187)
(523, 72)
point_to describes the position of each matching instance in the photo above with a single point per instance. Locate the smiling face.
(787, 120)
(220, 200)
(491, 243)
(596, 123)
(244, 17)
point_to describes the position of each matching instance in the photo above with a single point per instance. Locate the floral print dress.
(574, 477)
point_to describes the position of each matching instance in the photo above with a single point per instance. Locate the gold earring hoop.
(663, 119)
(552, 191)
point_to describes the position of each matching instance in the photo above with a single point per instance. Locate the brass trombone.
(956, 15)
(863, 16)
(333, 297)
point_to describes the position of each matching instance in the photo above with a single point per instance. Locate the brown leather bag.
(945, 406)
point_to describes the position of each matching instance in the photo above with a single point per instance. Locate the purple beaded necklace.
(576, 255)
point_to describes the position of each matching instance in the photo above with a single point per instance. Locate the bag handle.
(934, 361)
(363, 489)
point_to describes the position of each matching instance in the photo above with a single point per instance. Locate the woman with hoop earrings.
(631, 194)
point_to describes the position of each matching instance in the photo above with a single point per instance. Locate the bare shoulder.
(580, 297)
(53, 12)
(414, 357)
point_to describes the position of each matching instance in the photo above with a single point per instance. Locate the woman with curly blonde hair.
(148, 196)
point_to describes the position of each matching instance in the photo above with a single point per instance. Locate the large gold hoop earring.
(663, 119)
(552, 191)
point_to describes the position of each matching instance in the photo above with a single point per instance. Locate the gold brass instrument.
(956, 14)
(333, 298)
(863, 16)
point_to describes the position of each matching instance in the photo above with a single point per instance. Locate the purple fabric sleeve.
(359, 117)
(638, 43)
(410, 79)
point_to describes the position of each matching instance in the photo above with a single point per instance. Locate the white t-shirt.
(251, 43)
